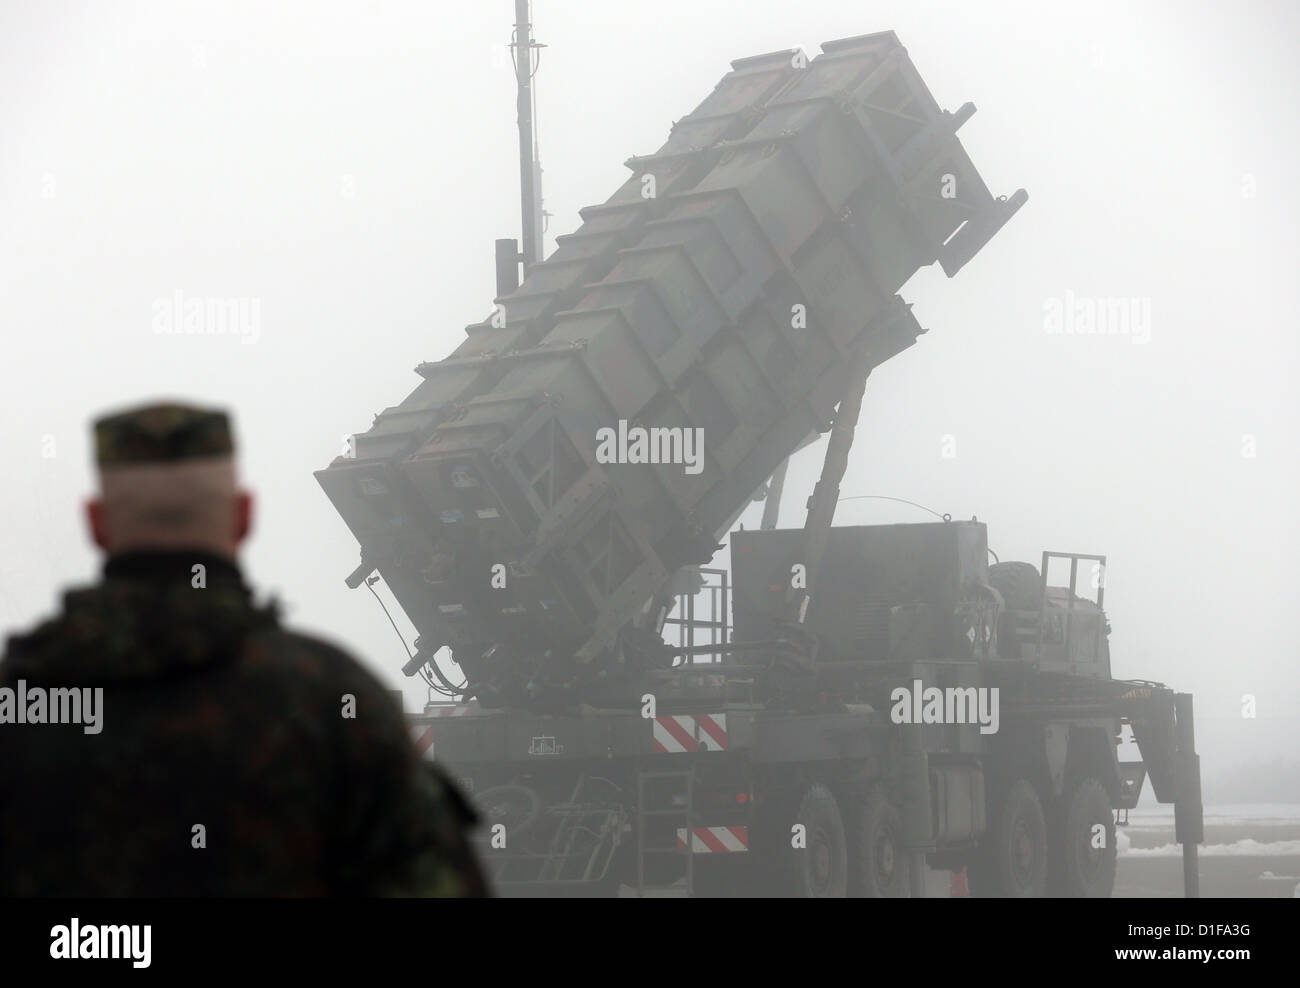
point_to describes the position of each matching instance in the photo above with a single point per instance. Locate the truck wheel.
(1012, 861)
(820, 867)
(1020, 584)
(1081, 869)
(880, 860)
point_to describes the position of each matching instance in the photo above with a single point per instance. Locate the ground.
(1250, 851)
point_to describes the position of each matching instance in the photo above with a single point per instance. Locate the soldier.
(214, 752)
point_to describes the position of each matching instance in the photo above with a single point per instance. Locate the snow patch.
(1245, 848)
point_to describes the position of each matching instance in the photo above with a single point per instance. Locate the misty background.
(344, 168)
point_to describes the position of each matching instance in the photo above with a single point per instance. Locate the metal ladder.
(683, 812)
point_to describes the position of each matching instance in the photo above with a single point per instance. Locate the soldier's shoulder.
(449, 793)
(313, 657)
(70, 627)
(291, 641)
(57, 624)
(33, 634)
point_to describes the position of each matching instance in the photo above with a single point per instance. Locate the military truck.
(546, 504)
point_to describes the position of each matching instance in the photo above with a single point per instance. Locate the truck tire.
(1020, 584)
(880, 861)
(819, 869)
(1011, 863)
(1080, 869)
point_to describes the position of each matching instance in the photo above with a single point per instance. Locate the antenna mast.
(530, 182)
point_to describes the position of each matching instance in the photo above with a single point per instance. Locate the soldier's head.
(167, 481)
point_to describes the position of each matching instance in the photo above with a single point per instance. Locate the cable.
(400, 637)
(901, 500)
(882, 497)
(449, 689)
(536, 46)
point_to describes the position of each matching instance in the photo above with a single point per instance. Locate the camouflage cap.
(161, 433)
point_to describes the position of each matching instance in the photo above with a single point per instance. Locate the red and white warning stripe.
(684, 732)
(714, 840)
(422, 735)
(447, 710)
(711, 729)
(422, 730)
(674, 733)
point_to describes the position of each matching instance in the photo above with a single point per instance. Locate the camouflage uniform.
(213, 716)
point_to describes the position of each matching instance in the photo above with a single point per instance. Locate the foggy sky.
(346, 168)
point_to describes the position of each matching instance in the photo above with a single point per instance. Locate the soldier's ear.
(243, 515)
(96, 523)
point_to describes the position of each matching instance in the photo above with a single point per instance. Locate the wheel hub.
(885, 856)
(821, 864)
